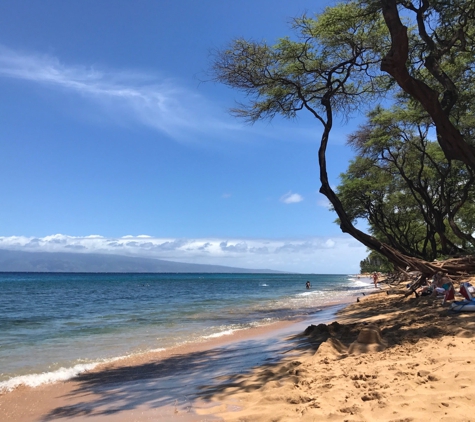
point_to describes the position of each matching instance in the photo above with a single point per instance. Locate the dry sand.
(388, 358)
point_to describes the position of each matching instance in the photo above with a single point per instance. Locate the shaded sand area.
(163, 385)
(388, 358)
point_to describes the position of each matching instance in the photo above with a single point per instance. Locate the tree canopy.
(407, 186)
(402, 184)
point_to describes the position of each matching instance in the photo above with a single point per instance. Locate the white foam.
(359, 283)
(310, 293)
(220, 334)
(35, 380)
(61, 374)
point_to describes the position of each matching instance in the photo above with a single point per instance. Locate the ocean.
(54, 326)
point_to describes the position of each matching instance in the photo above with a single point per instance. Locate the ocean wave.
(362, 283)
(105, 321)
(62, 374)
(220, 334)
(35, 380)
(310, 293)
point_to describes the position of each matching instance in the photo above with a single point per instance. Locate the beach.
(56, 326)
(385, 358)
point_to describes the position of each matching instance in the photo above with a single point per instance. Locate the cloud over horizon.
(316, 255)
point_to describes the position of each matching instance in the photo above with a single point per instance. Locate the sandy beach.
(384, 358)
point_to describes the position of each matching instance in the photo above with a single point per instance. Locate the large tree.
(331, 67)
(410, 194)
(432, 68)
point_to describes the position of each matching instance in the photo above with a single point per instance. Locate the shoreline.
(414, 364)
(128, 316)
(387, 358)
(64, 374)
(47, 398)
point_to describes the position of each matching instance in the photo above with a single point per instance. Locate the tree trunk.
(394, 63)
(397, 258)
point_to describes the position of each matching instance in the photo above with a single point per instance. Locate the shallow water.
(54, 326)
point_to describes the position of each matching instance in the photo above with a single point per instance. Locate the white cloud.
(291, 198)
(133, 96)
(324, 255)
(149, 100)
(324, 202)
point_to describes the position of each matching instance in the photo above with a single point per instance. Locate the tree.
(406, 189)
(332, 67)
(446, 33)
(375, 263)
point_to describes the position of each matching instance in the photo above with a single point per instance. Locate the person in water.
(375, 279)
(307, 284)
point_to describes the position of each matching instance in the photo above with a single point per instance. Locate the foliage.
(331, 57)
(375, 263)
(408, 188)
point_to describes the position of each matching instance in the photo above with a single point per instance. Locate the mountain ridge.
(69, 262)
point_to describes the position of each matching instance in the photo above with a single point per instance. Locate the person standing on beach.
(375, 279)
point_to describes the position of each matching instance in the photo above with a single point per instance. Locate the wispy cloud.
(324, 202)
(319, 255)
(159, 103)
(291, 198)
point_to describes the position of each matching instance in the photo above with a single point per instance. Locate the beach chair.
(467, 290)
(449, 294)
(468, 304)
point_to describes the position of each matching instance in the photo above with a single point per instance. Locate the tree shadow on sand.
(174, 381)
(178, 380)
(400, 321)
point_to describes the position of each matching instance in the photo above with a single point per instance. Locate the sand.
(385, 358)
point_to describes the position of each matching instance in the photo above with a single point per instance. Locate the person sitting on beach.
(424, 290)
(440, 285)
(307, 284)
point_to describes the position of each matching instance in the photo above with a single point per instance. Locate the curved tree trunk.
(459, 233)
(394, 63)
(397, 258)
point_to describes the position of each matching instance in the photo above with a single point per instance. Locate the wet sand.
(388, 358)
(165, 385)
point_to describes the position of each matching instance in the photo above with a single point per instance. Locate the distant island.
(65, 262)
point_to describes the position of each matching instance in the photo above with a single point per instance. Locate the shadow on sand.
(178, 380)
(174, 381)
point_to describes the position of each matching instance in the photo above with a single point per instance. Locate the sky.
(114, 139)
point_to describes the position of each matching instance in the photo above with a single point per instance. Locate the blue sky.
(114, 140)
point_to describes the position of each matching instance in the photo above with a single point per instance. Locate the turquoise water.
(54, 326)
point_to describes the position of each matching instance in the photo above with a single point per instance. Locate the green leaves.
(331, 57)
(413, 197)
(403, 185)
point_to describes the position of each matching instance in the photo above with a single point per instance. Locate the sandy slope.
(389, 358)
